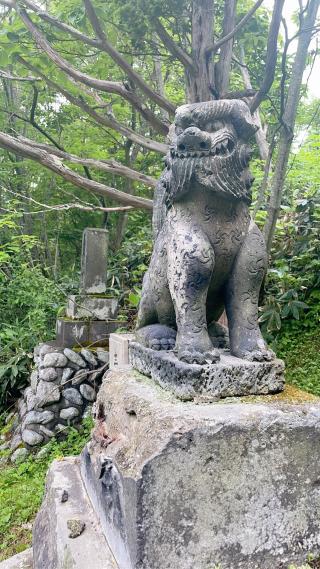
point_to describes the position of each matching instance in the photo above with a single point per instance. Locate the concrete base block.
(66, 532)
(194, 486)
(119, 350)
(96, 308)
(71, 333)
(228, 377)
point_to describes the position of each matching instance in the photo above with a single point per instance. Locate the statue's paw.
(200, 358)
(259, 355)
(157, 337)
(162, 344)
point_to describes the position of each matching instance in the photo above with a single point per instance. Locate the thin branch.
(272, 52)
(117, 57)
(10, 77)
(53, 163)
(215, 46)
(110, 166)
(64, 206)
(115, 87)
(107, 120)
(174, 48)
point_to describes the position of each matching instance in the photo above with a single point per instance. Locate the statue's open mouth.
(223, 148)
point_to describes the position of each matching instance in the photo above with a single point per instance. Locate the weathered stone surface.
(74, 357)
(69, 413)
(34, 379)
(16, 441)
(41, 417)
(19, 455)
(89, 357)
(47, 393)
(67, 374)
(228, 377)
(73, 396)
(48, 374)
(54, 360)
(103, 356)
(48, 434)
(84, 332)
(22, 406)
(48, 348)
(191, 486)
(31, 438)
(96, 308)
(87, 392)
(22, 560)
(30, 398)
(79, 377)
(52, 545)
(94, 260)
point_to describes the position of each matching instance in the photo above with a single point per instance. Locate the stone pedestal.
(227, 377)
(191, 486)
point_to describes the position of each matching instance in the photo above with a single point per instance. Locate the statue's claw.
(258, 355)
(200, 358)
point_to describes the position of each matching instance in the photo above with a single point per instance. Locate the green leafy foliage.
(28, 305)
(22, 489)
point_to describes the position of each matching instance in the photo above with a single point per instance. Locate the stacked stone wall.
(63, 386)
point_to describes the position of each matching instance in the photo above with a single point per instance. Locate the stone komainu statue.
(208, 253)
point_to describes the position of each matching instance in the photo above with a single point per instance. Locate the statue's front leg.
(190, 267)
(242, 296)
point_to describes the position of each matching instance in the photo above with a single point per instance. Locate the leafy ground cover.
(22, 488)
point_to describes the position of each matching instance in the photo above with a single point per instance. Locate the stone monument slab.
(94, 260)
(85, 332)
(179, 485)
(93, 307)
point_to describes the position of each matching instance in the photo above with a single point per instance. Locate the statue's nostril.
(181, 147)
(203, 145)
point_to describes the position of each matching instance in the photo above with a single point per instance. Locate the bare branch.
(106, 47)
(115, 87)
(272, 51)
(117, 57)
(107, 120)
(10, 77)
(110, 166)
(64, 206)
(215, 46)
(174, 48)
(54, 163)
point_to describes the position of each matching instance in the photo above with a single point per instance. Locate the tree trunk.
(222, 68)
(260, 135)
(288, 119)
(200, 83)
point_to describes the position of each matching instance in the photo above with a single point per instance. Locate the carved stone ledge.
(227, 378)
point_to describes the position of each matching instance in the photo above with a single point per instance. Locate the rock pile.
(63, 387)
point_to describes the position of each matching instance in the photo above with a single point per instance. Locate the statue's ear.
(242, 120)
